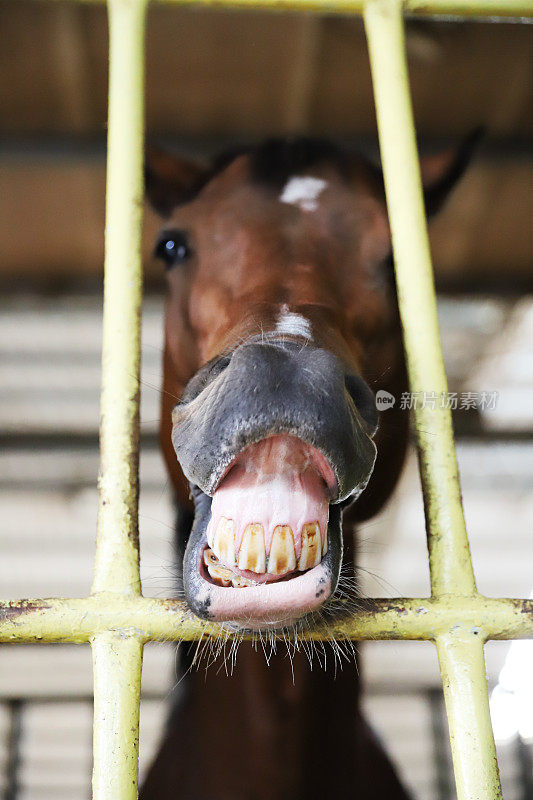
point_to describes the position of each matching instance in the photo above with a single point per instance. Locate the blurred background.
(214, 78)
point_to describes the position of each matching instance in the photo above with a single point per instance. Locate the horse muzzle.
(274, 438)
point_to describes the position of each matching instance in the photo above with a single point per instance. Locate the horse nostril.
(218, 366)
(208, 373)
(363, 399)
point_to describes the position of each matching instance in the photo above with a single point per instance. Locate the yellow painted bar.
(79, 619)
(117, 661)
(116, 619)
(464, 679)
(117, 657)
(450, 564)
(478, 9)
(117, 547)
(461, 648)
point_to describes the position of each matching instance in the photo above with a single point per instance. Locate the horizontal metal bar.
(447, 8)
(148, 619)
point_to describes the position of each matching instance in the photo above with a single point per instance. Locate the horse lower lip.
(273, 604)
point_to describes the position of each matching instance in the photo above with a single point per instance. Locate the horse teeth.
(239, 582)
(224, 541)
(282, 557)
(311, 546)
(325, 542)
(252, 554)
(210, 558)
(221, 574)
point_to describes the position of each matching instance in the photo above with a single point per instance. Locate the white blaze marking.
(303, 191)
(294, 324)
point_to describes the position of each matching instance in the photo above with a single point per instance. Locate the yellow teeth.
(224, 541)
(210, 559)
(311, 546)
(252, 553)
(282, 556)
(221, 574)
(220, 559)
(224, 576)
(239, 582)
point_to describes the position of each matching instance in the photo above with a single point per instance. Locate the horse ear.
(441, 172)
(169, 179)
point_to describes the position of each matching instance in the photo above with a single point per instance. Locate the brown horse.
(281, 313)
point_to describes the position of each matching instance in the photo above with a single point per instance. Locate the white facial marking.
(303, 191)
(293, 324)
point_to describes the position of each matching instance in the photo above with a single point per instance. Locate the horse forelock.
(273, 162)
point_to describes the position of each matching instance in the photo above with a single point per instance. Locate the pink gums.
(277, 481)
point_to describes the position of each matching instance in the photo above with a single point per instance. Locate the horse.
(281, 325)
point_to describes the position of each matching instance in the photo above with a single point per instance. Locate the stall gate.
(116, 619)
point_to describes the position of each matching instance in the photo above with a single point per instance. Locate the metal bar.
(116, 619)
(478, 9)
(78, 620)
(117, 547)
(464, 679)
(460, 650)
(449, 553)
(117, 658)
(117, 664)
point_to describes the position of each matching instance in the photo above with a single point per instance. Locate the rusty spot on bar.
(19, 608)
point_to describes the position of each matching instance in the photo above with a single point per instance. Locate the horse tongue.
(269, 514)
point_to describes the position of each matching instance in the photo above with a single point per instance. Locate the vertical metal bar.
(117, 664)
(460, 651)
(117, 658)
(464, 678)
(117, 553)
(450, 564)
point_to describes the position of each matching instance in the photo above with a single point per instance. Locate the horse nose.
(265, 389)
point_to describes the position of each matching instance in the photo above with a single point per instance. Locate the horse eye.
(172, 248)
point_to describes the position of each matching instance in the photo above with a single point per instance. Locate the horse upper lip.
(267, 390)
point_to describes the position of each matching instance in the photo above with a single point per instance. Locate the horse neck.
(277, 720)
(278, 715)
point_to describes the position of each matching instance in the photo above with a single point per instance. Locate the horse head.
(281, 324)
